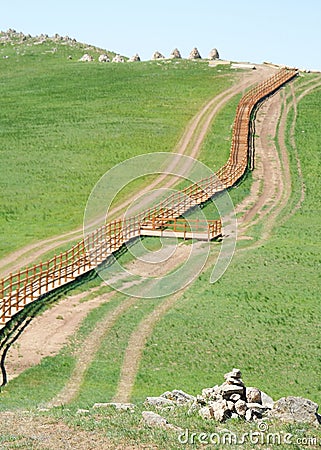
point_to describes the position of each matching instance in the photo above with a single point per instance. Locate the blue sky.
(281, 31)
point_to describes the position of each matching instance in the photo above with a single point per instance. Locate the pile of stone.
(195, 54)
(134, 58)
(175, 54)
(232, 399)
(104, 58)
(213, 54)
(157, 55)
(118, 59)
(86, 58)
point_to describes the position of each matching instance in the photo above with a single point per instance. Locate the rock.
(155, 420)
(236, 373)
(207, 392)
(103, 58)
(213, 54)
(178, 396)
(159, 402)
(194, 54)
(200, 400)
(229, 389)
(235, 397)
(118, 59)
(206, 412)
(266, 400)
(82, 411)
(221, 410)
(134, 58)
(230, 405)
(240, 408)
(257, 409)
(295, 409)
(118, 406)
(86, 57)
(157, 55)
(249, 415)
(175, 54)
(235, 381)
(253, 395)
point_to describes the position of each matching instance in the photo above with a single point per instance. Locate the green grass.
(101, 378)
(65, 123)
(263, 315)
(39, 384)
(125, 428)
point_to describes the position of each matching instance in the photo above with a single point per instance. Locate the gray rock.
(82, 411)
(235, 381)
(253, 395)
(249, 415)
(240, 407)
(230, 405)
(229, 389)
(295, 409)
(155, 420)
(236, 373)
(267, 401)
(207, 392)
(200, 400)
(206, 412)
(257, 409)
(235, 397)
(116, 405)
(159, 402)
(256, 406)
(221, 410)
(179, 397)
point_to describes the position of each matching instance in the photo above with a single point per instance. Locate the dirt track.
(268, 197)
(194, 133)
(34, 344)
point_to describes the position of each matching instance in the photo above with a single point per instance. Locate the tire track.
(195, 132)
(276, 190)
(138, 340)
(194, 135)
(87, 351)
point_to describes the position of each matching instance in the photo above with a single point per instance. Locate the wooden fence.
(25, 286)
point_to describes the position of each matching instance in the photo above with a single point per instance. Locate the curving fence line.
(27, 285)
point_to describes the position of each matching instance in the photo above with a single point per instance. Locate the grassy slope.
(263, 315)
(65, 123)
(247, 319)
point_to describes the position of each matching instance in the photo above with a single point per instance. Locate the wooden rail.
(25, 286)
(183, 228)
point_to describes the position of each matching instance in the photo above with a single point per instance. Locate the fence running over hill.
(25, 286)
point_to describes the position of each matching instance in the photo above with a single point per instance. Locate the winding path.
(33, 344)
(194, 133)
(143, 331)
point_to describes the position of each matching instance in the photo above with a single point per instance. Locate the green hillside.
(64, 123)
